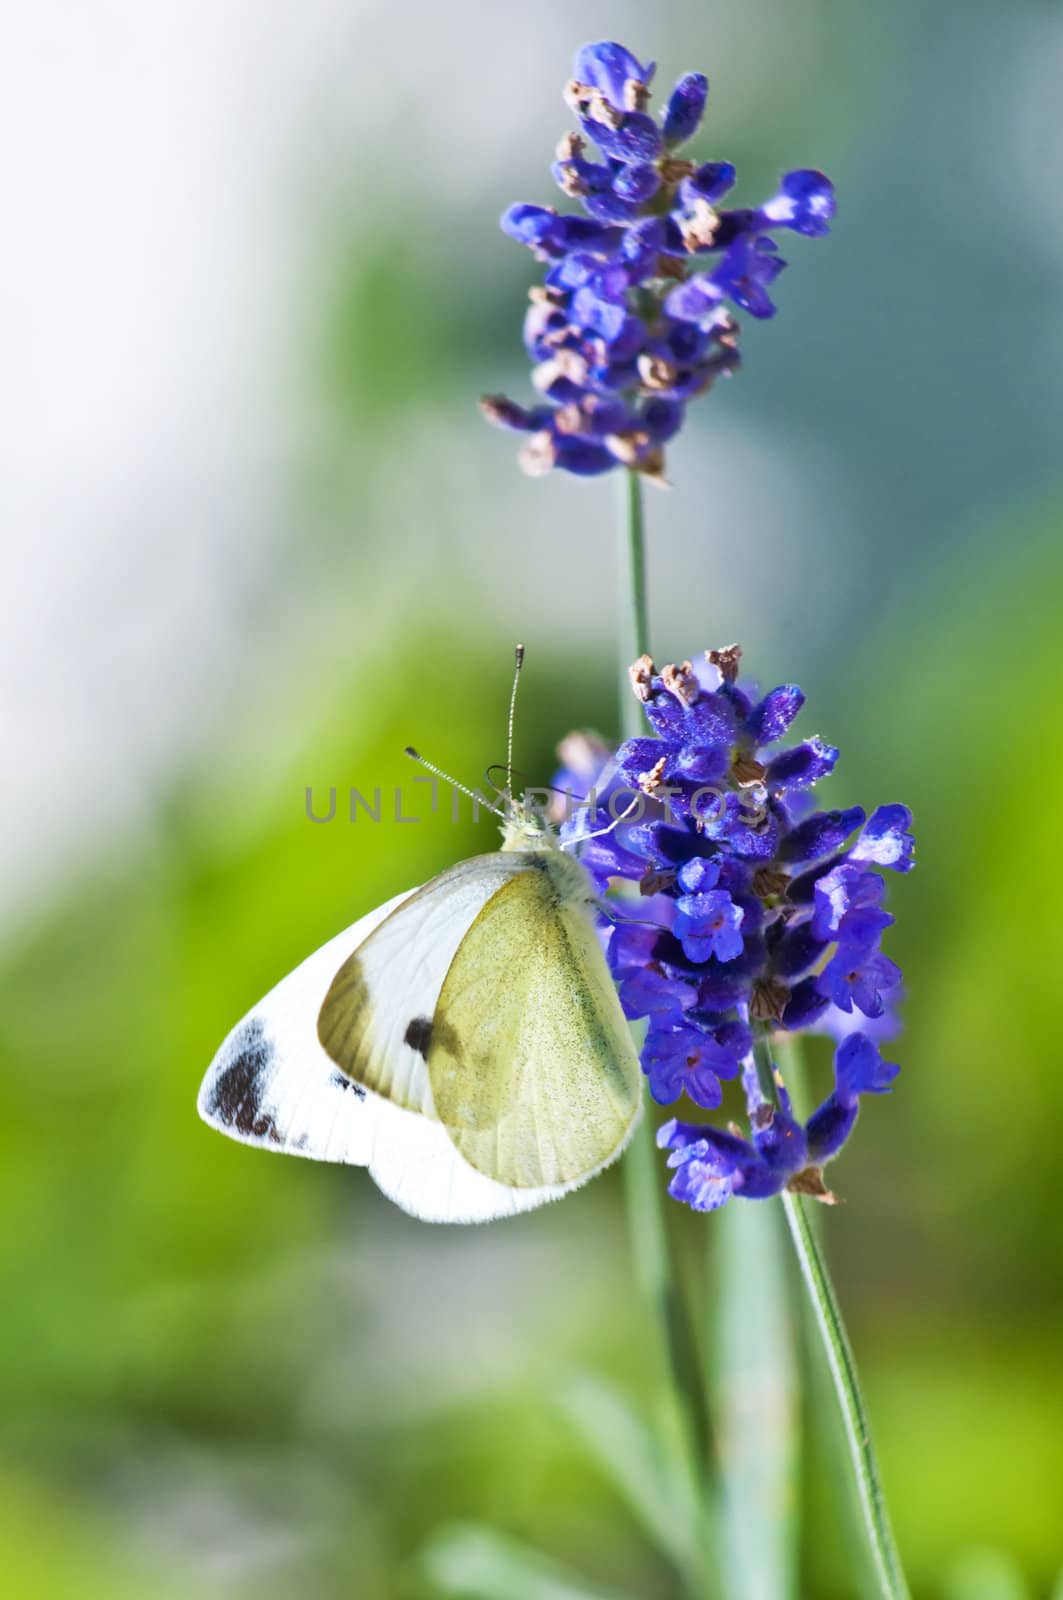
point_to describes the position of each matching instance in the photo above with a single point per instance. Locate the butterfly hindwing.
(531, 1063)
(271, 1084)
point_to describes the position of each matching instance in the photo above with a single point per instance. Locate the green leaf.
(477, 1563)
(756, 1404)
(985, 1575)
(649, 1470)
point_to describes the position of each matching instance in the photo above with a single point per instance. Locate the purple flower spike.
(640, 290)
(756, 915)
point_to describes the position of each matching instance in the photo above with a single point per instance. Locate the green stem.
(840, 1359)
(654, 1259)
(765, 1068)
(842, 1364)
(634, 630)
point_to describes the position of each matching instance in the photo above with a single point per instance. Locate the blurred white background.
(185, 188)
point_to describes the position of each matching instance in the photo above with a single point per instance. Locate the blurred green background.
(259, 540)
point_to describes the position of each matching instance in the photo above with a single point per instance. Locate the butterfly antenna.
(499, 766)
(600, 833)
(518, 658)
(609, 909)
(429, 766)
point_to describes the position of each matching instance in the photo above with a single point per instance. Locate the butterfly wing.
(272, 1084)
(376, 1019)
(531, 1063)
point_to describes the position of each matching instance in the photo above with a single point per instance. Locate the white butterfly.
(464, 1042)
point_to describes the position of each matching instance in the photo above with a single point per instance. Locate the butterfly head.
(524, 827)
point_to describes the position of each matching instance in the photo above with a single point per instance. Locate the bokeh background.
(257, 538)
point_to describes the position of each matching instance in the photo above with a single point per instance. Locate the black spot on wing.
(418, 1035)
(237, 1094)
(340, 1080)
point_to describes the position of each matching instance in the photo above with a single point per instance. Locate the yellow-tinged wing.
(531, 1064)
(271, 1084)
(376, 1019)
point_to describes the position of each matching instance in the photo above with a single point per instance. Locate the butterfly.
(464, 1041)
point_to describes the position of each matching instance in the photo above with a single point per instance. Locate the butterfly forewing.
(486, 989)
(377, 1017)
(271, 1084)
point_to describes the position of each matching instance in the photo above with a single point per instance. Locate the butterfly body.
(464, 1042)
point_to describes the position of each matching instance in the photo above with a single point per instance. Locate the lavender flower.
(711, 1166)
(759, 914)
(634, 318)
